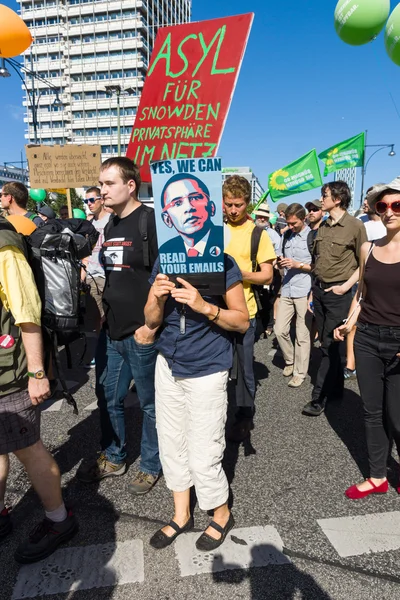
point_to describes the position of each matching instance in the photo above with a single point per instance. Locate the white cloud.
(17, 112)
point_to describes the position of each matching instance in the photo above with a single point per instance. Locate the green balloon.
(392, 36)
(358, 23)
(273, 219)
(37, 195)
(78, 213)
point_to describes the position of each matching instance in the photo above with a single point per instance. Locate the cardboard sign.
(189, 220)
(188, 90)
(67, 166)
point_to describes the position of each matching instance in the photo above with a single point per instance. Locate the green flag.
(344, 155)
(301, 175)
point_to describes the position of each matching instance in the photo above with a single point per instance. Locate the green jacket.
(13, 364)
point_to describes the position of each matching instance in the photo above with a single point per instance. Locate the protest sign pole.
(69, 203)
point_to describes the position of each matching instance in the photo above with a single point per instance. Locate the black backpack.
(55, 252)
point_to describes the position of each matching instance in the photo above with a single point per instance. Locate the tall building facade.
(256, 188)
(96, 54)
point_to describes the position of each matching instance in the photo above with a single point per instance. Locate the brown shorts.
(19, 422)
(96, 292)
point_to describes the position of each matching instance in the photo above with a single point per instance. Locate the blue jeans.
(117, 363)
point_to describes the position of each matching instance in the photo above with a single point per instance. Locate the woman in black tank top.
(377, 342)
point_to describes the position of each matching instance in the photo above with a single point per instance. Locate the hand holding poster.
(344, 155)
(301, 175)
(189, 221)
(188, 90)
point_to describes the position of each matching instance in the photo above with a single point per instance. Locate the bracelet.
(217, 315)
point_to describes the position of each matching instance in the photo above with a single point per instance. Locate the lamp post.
(118, 91)
(364, 167)
(34, 102)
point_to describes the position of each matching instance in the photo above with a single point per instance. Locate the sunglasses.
(314, 209)
(382, 207)
(91, 200)
(4, 194)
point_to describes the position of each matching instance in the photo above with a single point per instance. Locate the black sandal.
(162, 540)
(206, 543)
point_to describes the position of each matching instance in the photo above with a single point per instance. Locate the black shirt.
(127, 279)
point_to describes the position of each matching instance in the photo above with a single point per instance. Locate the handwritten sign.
(63, 166)
(188, 90)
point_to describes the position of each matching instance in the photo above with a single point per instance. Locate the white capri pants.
(190, 421)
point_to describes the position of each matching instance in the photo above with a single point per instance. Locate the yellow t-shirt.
(18, 291)
(239, 247)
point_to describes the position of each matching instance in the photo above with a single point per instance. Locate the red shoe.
(355, 494)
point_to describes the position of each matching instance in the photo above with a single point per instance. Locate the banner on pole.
(189, 221)
(299, 176)
(188, 90)
(345, 155)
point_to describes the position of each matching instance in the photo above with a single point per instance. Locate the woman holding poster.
(195, 355)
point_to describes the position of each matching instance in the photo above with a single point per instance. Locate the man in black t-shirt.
(126, 347)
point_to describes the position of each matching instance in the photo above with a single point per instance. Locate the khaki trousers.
(298, 355)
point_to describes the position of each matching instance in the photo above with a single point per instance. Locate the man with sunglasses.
(187, 207)
(314, 217)
(94, 274)
(336, 260)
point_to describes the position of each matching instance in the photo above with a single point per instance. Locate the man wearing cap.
(336, 262)
(315, 214)
(263, 214)
(268, 294)
(46, 213)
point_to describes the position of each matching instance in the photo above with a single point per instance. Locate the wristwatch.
(301, 265)
(37, 374)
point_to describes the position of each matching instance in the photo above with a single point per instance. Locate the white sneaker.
(296, 381)
(288, 371)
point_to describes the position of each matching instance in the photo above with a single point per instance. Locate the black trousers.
(378, 374)
(330, 310)
(243, 370)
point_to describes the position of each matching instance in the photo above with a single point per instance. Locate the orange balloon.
(22, 224)
(15, 37)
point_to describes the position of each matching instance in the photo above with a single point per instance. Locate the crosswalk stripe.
(82, 568)
(353, 536)
(243, 548)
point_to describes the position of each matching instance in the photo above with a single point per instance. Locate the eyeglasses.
(91, 200)
(314, 209)
(382, 207)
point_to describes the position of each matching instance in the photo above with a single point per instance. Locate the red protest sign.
(188, 90)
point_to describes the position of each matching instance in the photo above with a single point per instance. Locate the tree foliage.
(55, 201)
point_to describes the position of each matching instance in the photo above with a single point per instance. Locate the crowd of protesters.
(181, 348)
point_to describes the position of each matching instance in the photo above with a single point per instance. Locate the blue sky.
(300, 88)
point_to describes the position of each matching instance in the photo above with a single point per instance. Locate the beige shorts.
(96, 293)
(19, 422)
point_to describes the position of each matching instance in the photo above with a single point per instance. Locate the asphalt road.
(285, 482)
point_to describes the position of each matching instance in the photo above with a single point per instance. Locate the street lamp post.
(34, 101)
(118, 91)
(364, 167)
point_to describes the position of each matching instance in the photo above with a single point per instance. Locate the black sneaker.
(45, 539)
(5, 523)
(315, 408)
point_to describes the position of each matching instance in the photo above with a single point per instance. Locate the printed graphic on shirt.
(113, 254)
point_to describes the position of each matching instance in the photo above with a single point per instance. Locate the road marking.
(272, 352)
(82, 568)
(130, 401)
(243, 548)
(352, 536)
